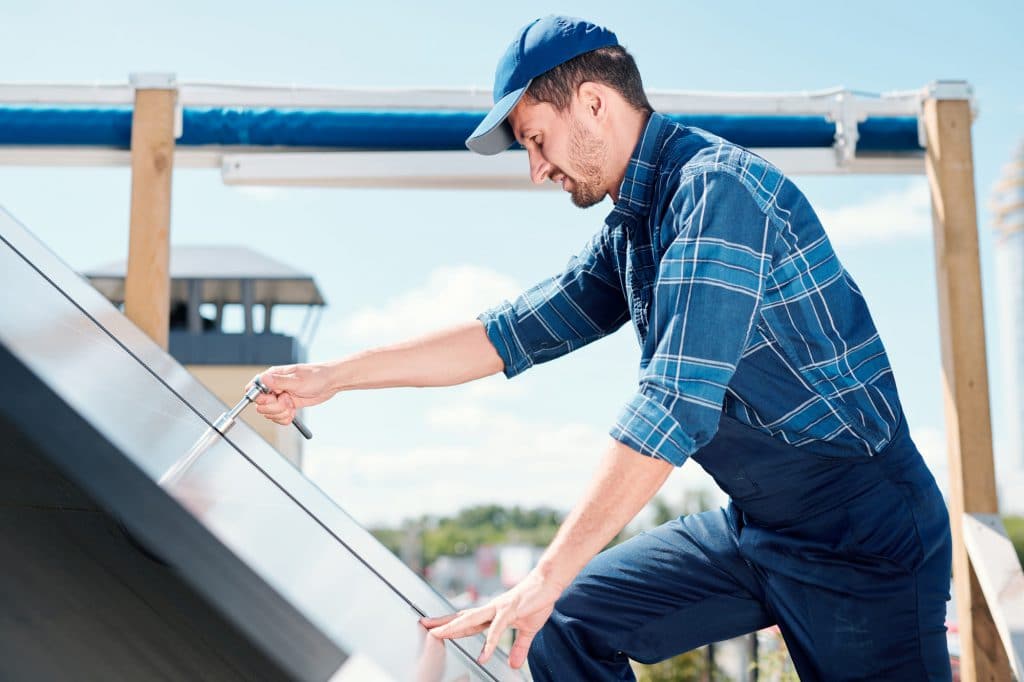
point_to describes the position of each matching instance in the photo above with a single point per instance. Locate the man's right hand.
(293, 387)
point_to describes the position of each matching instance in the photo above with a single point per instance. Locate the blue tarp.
(396, 130)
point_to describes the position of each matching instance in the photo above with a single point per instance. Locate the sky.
(397, 262)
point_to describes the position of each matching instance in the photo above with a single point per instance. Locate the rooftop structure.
(210, 279)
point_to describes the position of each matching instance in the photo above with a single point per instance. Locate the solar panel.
(240, 567)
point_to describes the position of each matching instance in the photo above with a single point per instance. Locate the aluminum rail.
(200, 94)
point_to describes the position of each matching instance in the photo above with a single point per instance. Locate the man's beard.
(588, 153)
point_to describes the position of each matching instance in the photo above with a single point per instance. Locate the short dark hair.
(611, 66)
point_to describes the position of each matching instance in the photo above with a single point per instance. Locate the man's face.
(563, 148)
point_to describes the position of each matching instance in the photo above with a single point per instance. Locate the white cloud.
(471, 455)
(886, 217)
(450, 294)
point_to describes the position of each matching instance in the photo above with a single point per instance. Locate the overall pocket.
(882, 527)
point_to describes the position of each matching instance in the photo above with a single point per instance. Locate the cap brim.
(494, 134)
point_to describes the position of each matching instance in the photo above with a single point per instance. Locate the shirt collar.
(641, 173)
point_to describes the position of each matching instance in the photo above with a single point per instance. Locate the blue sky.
(392, 262)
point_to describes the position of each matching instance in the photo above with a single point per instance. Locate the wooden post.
(147, 280)
(972, 486)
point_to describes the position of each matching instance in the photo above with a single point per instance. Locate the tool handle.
(303, 429)
(306, 433)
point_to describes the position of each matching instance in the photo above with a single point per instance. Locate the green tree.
(692, 502)
(1015, 529)
(689, 667)
(472, 527)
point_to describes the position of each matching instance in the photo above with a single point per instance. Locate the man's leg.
(869, 605)
(663, 592)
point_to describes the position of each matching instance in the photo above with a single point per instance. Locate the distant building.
(1008, 212)
(488, 571)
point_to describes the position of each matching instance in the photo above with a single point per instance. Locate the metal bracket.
(161, 81)
(847, 116)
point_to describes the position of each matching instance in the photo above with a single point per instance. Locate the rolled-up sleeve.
(582, 304)
(706, 300)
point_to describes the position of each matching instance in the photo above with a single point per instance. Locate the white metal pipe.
(822, 102)
(506, 171)
(403, 168)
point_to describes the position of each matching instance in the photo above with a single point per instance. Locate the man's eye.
(536, 140)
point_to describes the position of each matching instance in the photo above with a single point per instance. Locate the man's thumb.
(277, 382)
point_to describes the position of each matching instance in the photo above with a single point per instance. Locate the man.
(758, 359)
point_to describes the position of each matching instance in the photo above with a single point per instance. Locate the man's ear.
(593, 100)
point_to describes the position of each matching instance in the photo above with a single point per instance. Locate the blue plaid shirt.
(739, 303)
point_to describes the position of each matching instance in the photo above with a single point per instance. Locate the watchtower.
(223, 300)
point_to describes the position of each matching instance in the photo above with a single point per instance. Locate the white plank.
(1002, 581)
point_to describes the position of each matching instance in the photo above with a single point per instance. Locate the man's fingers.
(431, 622)
(279, 409)
(521, 648)
(272, 409)
(468, 623)
(498, 627)
(265, 398)
(459, 631)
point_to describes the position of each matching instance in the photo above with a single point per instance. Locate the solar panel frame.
(203, 408)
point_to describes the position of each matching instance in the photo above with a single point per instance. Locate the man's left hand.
(526, 607)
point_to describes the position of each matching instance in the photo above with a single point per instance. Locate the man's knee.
(569, 645)
(582, 620)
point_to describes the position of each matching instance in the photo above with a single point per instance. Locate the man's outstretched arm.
(451, 356)
(623, 483)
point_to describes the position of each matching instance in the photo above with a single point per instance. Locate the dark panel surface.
(69, 592)
(81, 601)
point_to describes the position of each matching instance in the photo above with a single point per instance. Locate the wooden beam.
(950, 168)
(147, 280)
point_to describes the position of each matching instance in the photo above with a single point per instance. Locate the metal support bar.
(462, 170)
(200, 94)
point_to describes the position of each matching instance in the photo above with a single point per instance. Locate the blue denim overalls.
(849, 555)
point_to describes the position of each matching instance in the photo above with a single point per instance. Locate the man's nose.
(540, 169)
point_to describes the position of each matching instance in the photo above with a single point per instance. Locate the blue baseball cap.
(540, 46)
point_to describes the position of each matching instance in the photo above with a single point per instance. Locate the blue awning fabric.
(397, 130)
